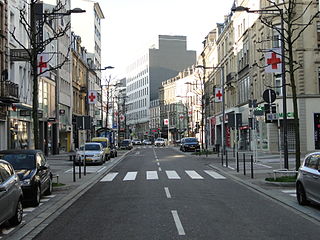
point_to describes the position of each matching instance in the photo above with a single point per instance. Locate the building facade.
(145, 75)
(239, 47)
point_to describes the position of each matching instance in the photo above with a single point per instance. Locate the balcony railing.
(9, 92)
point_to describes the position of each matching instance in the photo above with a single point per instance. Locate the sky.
(131, 26)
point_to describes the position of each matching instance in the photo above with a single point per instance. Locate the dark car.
(189, 144)
(33, 171)
(125, 144)
(10, 195)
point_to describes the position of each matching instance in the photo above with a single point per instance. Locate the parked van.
(106, 145)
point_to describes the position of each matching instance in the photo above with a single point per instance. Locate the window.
(313, 162)
(276, 38)
(278, 85)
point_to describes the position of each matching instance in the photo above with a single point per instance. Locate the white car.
(308, 180)
(159, 142)
(136, 142)
(92, 152)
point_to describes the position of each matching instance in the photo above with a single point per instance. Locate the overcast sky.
(131, 26)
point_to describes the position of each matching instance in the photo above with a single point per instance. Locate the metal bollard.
(80, 168)
(85, 166)
(237, 160)
(226, 158)
(244, 164)
(251, 166)
(73, 167)
(222, 159)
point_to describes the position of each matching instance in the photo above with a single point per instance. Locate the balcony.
(9, 92)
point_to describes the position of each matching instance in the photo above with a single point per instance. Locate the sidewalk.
(282, 193)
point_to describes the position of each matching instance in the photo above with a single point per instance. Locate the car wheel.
(301, 195)
(49, 190)
(37, 196)
(17, 218)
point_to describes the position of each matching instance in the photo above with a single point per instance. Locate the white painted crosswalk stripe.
(214, 174)
(109, 177)
(291, 192)
(172, 175)
(152, 175)
(193, 174)
(130, 176)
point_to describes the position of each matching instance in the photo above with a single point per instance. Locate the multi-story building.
(13, 128)
(145, 75)
(180, 105)
(239, 47)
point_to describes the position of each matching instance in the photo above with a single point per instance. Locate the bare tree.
(37, 44)
(294, 15)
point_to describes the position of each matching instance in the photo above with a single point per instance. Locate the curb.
(36, 225)
(296, 208)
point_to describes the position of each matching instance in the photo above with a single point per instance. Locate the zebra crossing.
(170, 174)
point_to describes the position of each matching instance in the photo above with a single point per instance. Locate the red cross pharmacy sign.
(43, 64)
(92, 97)
(273, 61)
(218, 95)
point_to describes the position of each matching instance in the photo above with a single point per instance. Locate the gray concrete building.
(144, 76)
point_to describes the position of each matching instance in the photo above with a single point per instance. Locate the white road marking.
(49, 196)
(152, 175)
(167, 192)
(193, 174)
(262, 165)
(101, 169)
(44, 200)
(160, 170)
(172, 175)
(293, 195)
(23, 215)
(7, 231)
(109, 177)
(158, 163)
(29, 209)
(214, 174)
(289, 191)
(232, 168)
(130, 176)
(178, 222)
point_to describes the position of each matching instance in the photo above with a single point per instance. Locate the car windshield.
(160, 139)
(125, 142)
(92, 147)
(20, 161)
(191, 140)
(104, 144)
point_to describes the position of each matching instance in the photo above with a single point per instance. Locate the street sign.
(92, 97)
(166, 121)
(269, 96)
(19, 55)
(273, 61)
(122, 118)
(218, 95)
(272, 116)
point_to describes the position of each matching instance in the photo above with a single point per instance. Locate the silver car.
(10, 195)
(308, 181)
(91, 152)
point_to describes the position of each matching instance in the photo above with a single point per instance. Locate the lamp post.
(36, 49)
(283, 73)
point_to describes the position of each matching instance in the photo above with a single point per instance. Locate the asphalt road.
(160, 193)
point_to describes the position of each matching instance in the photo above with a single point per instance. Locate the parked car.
(147, 142)
(92, 153)
(136, 142)
(126, 144)
(159, 142)
(308, 180)
(10, 195)
(106, 146)
(189, 144)
(34, 173)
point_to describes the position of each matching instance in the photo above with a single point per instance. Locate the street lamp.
(283, 73)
